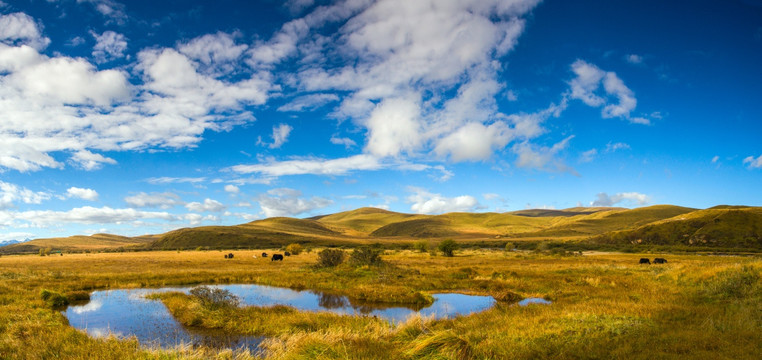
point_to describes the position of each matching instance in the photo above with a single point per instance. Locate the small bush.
(53, 299)
(330, 257)
(447, 247)
(509, 247)
(214, 298)
(294, 249)
(421, 246)
(365, 256)
(42, 252)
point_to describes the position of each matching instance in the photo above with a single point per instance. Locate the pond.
(127, 313)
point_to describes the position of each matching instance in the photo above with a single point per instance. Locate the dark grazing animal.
(277, 257)
(264, 254)
(287, 253)
(660, 261)
(644, 261)
(230, 256)
(226, 256)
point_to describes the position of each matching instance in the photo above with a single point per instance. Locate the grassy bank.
(604, 305)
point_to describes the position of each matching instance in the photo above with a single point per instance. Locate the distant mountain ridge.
(720, 226)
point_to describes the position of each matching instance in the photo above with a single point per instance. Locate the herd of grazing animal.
(275, 257)
(656, 261)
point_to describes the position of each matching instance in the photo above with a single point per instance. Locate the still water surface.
(127, 313)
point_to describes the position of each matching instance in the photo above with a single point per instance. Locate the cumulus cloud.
(588, 156)
(108, 46)
(585, 87)
(289, 202)
(232, 189)
(81, 193)
(424, 202)
(603, 199)
(178, 96)
(18, 29)
(164, 200)
(208, 205)
(215, 53)
(12, 193)
(309, 102)
(754, 163)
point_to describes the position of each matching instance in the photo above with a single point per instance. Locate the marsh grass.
(604, 305)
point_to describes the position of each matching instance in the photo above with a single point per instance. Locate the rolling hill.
(727, 227)
(77, 243)
(720, 226)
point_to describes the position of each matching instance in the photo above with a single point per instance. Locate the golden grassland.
(605, 305)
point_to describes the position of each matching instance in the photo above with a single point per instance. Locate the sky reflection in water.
(126, 313)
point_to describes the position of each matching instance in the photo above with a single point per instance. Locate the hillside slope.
(729, 227)
(96, 242)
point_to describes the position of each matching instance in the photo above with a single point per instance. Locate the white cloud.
(86, 215)
(207, 205)
(585, 87)
(542, 157)
(109, 46)
(84, 194)
(309, 102)
(394, 127)
(612, 147)
(347, 142)
(588, 156)
(634, 59)
(603, 199)
(164, 200)
(112, 10)
(232, 189)
(90, 161)
(425, 202)
(280, 135)
(216, 53)
(474, 141)
(491, 196)
(341, 166)
(715, 159)
(296, 6)
(175, 100)
(289, 202)
(175, 180)
(753, 163)
(11, 193)
(20, 29)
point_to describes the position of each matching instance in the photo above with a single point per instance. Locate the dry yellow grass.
(604, 305)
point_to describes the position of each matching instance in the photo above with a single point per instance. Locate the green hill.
(365, 220)
(727, 227)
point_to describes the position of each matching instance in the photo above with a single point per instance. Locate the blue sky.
(142, 117)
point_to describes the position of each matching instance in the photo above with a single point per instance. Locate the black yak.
(644, 261)
(660, 261)
(277, 257)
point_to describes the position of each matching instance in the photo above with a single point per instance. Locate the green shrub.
(53, 299)
(294, 249)
(330, 257)
(509, 247)
(214, 298)
(447, 247)
(365, 256)
(421, 246)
